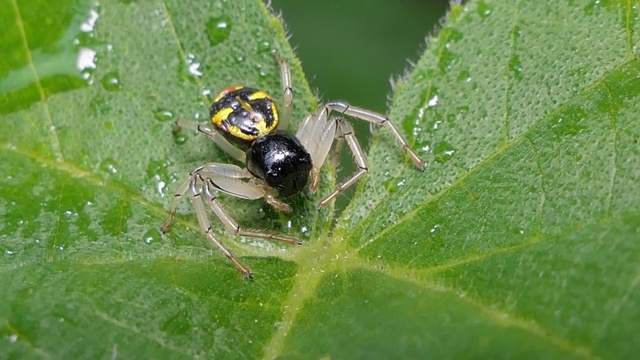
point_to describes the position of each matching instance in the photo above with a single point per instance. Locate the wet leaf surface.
(520, 240)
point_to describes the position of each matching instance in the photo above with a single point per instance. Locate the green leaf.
(522, 238)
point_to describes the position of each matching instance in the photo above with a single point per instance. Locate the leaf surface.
(520, 240)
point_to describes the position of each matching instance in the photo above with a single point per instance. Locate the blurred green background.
(350, 49)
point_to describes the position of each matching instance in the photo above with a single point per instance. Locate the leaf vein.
(486, 161)
(55, 142)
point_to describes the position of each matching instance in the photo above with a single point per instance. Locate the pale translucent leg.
(346, 131)
(233, 226)
(287, 94)
(229, 177)
(316, 134)
(205, 227)
(222, 143)
(205, 180)
(377, 119)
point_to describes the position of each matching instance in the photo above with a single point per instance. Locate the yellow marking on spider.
(259, 95)
(221, 116)
(226, 91)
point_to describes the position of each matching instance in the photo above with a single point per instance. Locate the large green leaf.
(522, 238)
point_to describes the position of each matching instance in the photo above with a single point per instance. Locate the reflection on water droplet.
(433, 101)
(86, 61)
(193, 65)
(151, 235)
(163, 115)
(239, 59)
(111, 81)
(108, 165)
(189, 70)
(218, 29)
(443, 152)
(90, 23)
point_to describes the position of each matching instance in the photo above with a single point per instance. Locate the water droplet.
(163, 115)
(464, 76)
(158, 172)
(239, 59)
(433, 101)
(264, 46)
(151, 236)
(218, 29)
(262, 73)
(111, 81)
(443, 152)
(515, 67)
(193, 66)
(108, 166)
(90, 23)
(484, 10)
(189, 69)
(180, 137)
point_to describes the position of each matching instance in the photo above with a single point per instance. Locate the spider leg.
(345, 131)
(202, 184)
(222, 171)
(377, 119)
(287, 94)
(232, 225)
(222, 143)
(316, 134)
(205, 226)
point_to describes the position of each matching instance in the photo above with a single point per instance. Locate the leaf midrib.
(313, 268)
(55, 142)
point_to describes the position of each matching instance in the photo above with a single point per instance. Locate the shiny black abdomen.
(281, 161)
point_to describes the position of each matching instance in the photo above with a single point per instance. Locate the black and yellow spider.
(245, 125)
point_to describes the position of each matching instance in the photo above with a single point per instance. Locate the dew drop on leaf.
(443, 152)
(163, 115)
(151, 236)
(111, 81)
(218, 29)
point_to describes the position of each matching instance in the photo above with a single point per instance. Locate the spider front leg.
(377, 119)
(205, 181)
(222, 143)
(317, 134)
(287, 94)
(346, 131)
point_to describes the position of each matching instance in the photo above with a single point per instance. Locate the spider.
(244, 123)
